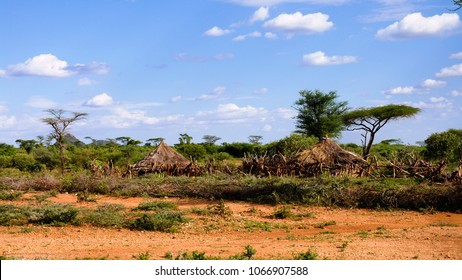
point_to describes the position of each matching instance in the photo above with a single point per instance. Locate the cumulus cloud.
(232, 113)
(85, 81)
(259, 3)
(217, 32)
(124, 118)
(261, 91)
(430, 83)
(48, 65)
(259, 15)
(255, 34)
(452, 71)
(415, 25)
(401, 90)
(271, 36)
(456, 55)
(456, 93)
(6, 121)
(297, 23)
(214, 94)
(100, 100)
(319, 58)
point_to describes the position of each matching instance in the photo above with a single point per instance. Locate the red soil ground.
(347, 234)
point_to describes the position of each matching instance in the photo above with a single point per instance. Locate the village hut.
(327, 155)
(163, 159)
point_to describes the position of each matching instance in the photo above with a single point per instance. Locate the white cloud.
(40, 102)
(297, 23)
(452, 71)
(438, 99)
(100, 100)
(319, 58)
(217, 32)
(123, 118)
(48, 65)
(430, 83)
(176, 98)
(401, 90)
(255, 34)
(232, 113)
(198, 58)
(267, 128)
(224, 56)
(456, 93)
(6, 121)
(214, 94)
(260, 15)
(456, 55)
(259, 3)
(286, 113)
(85, 81)
(261, 91)
(415, 25)
(271, 36)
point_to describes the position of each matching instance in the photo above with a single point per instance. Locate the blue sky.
(229, 68)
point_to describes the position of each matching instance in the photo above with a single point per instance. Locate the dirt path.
(331, 233)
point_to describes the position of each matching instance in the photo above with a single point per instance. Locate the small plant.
(343, 246)
(163, 221)
(156, 206)
(221, 209)
(168, 256)
(142, 256)
(10, 195)
(86, 196)
(283, 213)
(246, 255)
(325, 224)
(55, 215)
(308, 255)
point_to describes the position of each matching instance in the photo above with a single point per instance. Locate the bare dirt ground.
(331, 233)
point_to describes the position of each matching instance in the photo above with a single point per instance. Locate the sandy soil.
(347, 234)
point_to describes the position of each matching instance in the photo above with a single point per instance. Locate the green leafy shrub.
(9, 195)
(308, 255)
(156, 206)
(162, 221)
(56, 215)
(108, 215)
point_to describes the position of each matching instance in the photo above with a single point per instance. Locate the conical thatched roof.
(163, 158)
(328, 153)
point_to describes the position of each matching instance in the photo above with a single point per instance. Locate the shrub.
(55, 215)
(24, 162)
(283, 213)
(10, 195)
(105, 216)
(156, 206)
(162, 221)
(308, 255)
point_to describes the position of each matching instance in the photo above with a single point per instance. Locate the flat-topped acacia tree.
(60, 124)
(371, 120)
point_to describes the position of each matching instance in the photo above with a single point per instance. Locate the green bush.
(156, 206)
(24, 162)
(162, 221)
(6, 161)
(106, 216)
(55, 215)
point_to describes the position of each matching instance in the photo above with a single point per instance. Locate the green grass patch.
(156, 206)
(168, 221)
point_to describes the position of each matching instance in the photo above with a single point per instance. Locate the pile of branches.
(263, 165)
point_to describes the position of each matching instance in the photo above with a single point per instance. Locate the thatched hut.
(163, 159)
(327, 155)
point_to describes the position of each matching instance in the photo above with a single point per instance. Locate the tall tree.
(60, 124)
(255, 139)
(210, 139)
(458, 3)
(185, 138)
(27, 145)
(319, 113)
(444, 146)
(371, 120)
(154, 141)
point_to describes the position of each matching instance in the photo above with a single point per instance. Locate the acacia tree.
(210, 139)
(458, 3)
(371, 120)
(319, 113)
(255, 139)
(60, 124)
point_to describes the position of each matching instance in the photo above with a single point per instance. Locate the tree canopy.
(319, 113)
(371, 120)
(444, 146)
(60, 124)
